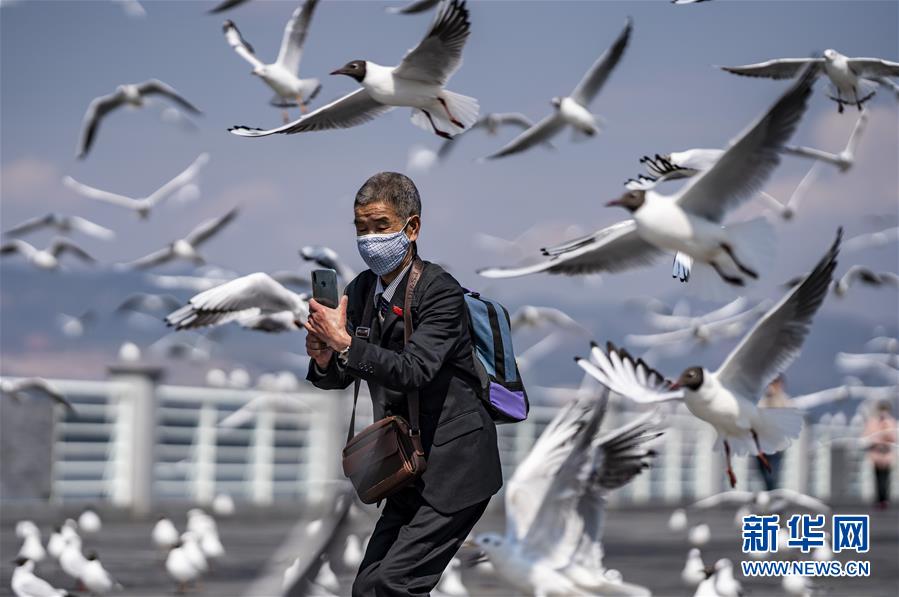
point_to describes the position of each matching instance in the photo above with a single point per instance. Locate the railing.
(133, 440)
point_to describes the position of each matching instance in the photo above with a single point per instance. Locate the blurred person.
(775, 397)
(422, 526)
(880, 436)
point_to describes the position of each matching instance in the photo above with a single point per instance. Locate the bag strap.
(366, 320)
(414, 275)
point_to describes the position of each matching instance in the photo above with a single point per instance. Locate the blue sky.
(665, 95)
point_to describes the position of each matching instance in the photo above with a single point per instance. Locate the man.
(880, 439)
(422, 526)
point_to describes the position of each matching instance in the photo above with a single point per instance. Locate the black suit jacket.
(458, 435)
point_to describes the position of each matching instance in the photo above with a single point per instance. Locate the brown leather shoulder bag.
(387, 455)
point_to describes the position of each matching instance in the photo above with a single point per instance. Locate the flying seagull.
(225, 5)
(857, 274)
(573, 109)
(46, 259)
(21, 388)
(872, 239)
(328, 258)
(531, 316)
(727, 398)
(414, 7)
(135, 95)
(555, 503)
(143, 302)
(491, 123)
(283, 74)
(848, 75)
(417, 83)
(141, 205)
(62, 224)
(255, 301)
(690, 220)
(185, 248)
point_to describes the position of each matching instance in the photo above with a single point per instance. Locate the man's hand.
(318, 350)
(328, 325)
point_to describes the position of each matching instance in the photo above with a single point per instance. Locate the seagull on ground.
(872, 240)
(180, 567)
(134, 95)
(187, 247)
(191, 544)
(22, 388)
(677, 522)
(573, 110)
(26, 584)
(72, 561)
(724, 582)
(417, 83)
(699, 534)
(690, 220)
(95, 577)
(282, 75)
(727, 398)
(328, 258)
(414, 7)
(555, 502)
(256, 301)
(63, 225)
(223, 504)
(45, 259)
(89, 521)
(141, 205)
(56, 543)
(32, 548)
(694, 568)
(165, 535)
(851, 77)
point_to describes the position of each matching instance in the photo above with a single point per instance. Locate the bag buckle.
(414, 432)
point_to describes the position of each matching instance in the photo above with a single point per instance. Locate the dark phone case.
(324, 287)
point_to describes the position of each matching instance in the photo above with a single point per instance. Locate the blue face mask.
(383, 253)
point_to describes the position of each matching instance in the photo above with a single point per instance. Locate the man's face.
(380, 218)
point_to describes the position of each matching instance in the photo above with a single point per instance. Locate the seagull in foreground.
(134, 95)
(491, 123)
(255, 301)
(764, 502)
(573, 109)
(62, 224)
(282, 75)
(22, 388)
(417, 83)
(185, 248)
(850, 76)
(26, 584)
(690, 220)
(414, 7)
(328, 258)
(727, 398)
(141, 205)
(872, 240)
(46, 259)
(555, 502)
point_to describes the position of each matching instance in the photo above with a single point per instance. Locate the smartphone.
(324, 287)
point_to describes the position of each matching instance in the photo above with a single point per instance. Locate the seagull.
(885, 364)
(352, 552)
(414, 7)
(326, 578)
(491, 123)
(89, 521)
(72, 561)
(328, 258)
(883, 343)
(164, 534)
(417, 83)
(787, 211)
(26, 584)
(282, 75)
(211, 545)
(265, 402)
(185, 248)
(21, 388)
(125, 95)
(74, 326)
(872, 240)
(179, 566)
(727, 398)
(866, 276)
(848, 75)
(699, 534)
(223, 504)
(689, 221)
(694, 568)
(63, 225)
(141, 205)
(725, 583)
(255, 301)
(764, 502)
(555, 502)
(191, 545)
(573, 109)
(677, 522)
(133, 8)
(143, 302)
(450, 584)
(225, 5)
(96, 578)
(847, 391)
(56, 543)
(45, 259)
(843, 160)
(171, 347)
(32, 548)
(531, 316)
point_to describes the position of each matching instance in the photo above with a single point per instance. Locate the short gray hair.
(393, 188)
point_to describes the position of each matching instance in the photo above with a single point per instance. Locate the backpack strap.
(413, 398)
(367, 313)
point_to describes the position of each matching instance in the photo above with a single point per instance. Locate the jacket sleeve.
(333, 377)
(440, 323)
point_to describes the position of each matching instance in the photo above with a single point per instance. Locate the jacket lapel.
(394, 312)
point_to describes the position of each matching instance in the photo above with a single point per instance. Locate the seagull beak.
(340, 71)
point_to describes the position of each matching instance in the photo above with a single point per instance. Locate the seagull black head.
(691, 379)
(355, 69)
(631, 200)
(556, 102)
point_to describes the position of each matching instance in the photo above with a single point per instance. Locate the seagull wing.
(156, 258)
(351, 110)
(439, 54)
(31, 225)
(725, 497)
(210, 227)
(799, 499)
(541, 132)
(240, 45)
(414, 7)
(90, 228)
(783, 68)
(815, 399)
(634, 380)
(874, 67)
(514, 119)
(226, 5)
(872, 239)
(295, 36)
(750, 159)
(99, 194)
(97, 109)
(143, 302)
(64, 245)
(777, 338)
(17, 246)
(185, 177)
(226, 302)
(615, 248)
(594, 79)
(157, 87)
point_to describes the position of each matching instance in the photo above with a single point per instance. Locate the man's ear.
(414, 227)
